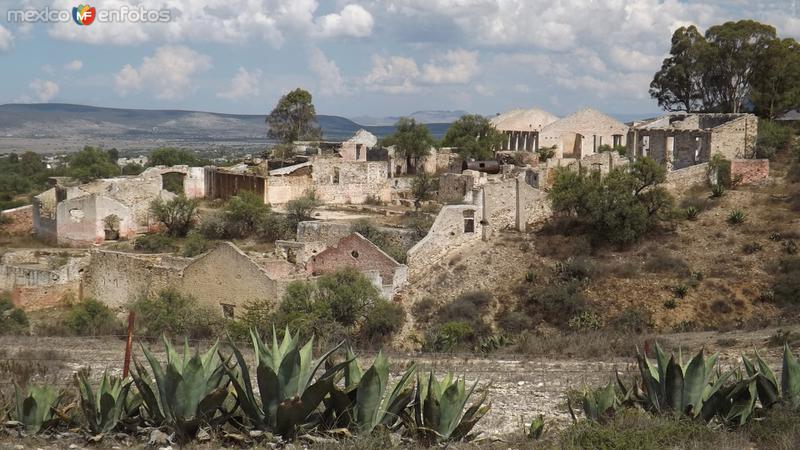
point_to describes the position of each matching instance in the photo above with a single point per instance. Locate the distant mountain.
(427, 117)
(48, 121)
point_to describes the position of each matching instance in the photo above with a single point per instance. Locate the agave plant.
(106, 408)
(769, 391)
(599, 404)
(365, 401)
(288, 394)
(36, 408)
(670, 386)
(188, 391)
(439, 409)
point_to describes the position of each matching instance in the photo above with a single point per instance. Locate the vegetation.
(105, 407)
(168, 156)
(618, 208)
(473, 136)
(773, 137)
(92, 163)
(294, 118)
(301, 209)
(155, 243)
(545, 153)
(411, 140)
(246, 216)
(439, 414)
(697, 75)
(422, 187)
(365, 228)
(91, 318)
(36, 407)
(174, 314)
(12, 320)
(177, 215)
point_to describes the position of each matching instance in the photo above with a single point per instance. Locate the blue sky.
(360, 57)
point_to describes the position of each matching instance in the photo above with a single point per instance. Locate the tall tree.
(737, 48)
(473, 136)
(776, 84)
(169, 156)
(294, 118)
(411, 139)
(678, 85)
(91, 163)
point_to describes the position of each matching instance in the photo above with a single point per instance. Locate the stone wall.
(683, 179)
(285, 188)
(21, 220)
(226, 275)
(330, 233)
(748, 171)
(579, 134)
(338, 182)
(735, 139)
(533, 206)
(41, 278)
(80, 221)
(447, 233)
(118, 278)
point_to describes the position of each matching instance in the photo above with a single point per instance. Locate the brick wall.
(750, 170)
(357, 252)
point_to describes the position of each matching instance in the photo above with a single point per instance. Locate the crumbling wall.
(357, 252)
(533, 206)
(735, 139)
(683, 179)
(338, 182)
(118, 278)
(42, 278)
(330, 233)
(447, 233)
(80, 221)
(44, 216)
(285, 188)
(747, 171)
(226, 275)
(500, 206)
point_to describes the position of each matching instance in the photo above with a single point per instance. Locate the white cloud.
(393, 75)
(244, 84)
(328, 74)
(74, 65)
(43, 90)
(167, 74)
(353, 20)
(224, 21)
(6, 39)
(453, 67)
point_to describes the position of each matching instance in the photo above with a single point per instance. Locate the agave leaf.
(369, 394)
(695, 381)
(790, 378)
(674, 386)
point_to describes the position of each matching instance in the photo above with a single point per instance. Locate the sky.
(357, 57)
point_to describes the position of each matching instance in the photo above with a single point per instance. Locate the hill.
(28, 123)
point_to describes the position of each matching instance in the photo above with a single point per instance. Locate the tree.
(301, 209)
(737, 48)
(92, 163)
(168, 156)
(678, 85)
(245, 214)
(619, 207)
(113, 154)
(473, 136)
(30, 164)
(776, 86)
(421, 187)
(294, 118)
(411, 140)
(177, 215)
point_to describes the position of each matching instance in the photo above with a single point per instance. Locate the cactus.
(105, 409)
(769, 391)
(600, 404)
(187, 391)
(365, 401)
(37, 409)
(289, 394)
(670, 386)
(439, 409)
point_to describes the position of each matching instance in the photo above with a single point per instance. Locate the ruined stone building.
(582, 133)
(522, 127)
(76, 214)
(39, 279)
(682, 140)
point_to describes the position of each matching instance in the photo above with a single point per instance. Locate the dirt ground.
(519, 388)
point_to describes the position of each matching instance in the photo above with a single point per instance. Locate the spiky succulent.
(36, 406)
(105, 408)
(439, 409)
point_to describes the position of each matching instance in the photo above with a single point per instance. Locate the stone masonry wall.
(735, 139)
(446, 234)
(683, 179)
(21, 220)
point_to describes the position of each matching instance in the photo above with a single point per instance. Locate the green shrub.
(155, 243)
(545, 153)
(365, 228)
(382, 321)
(195, 245)
(680, 291)
(772, 138)
(556, 303)
(177, 215)
(176, 315)
(419, 222)
(736, 217)
(717, 190)
(692, 212)
(670, 303)
(786, 284)
(720, 167)
(577, 268)
(513, 321)
(12, 320)
(212, 226)
(586, 320)
(451, 335)
(301, 209)
(244, 214)
(790, 247)
(92, 318)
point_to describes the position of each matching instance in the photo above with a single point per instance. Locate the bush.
(174, 314)
(177, 215)
(155, 243)
(586, 320)
(452, 335)
(92, 318)
(244, 214)
(736, 217)
(13, 320)
(719, 173)
(419, 222)
(692, 212)
(618, 208)
(365, 228)
(556, 303)
(670, 303)
(195, 245)
(680, 290)
(633, 320)
(301, 209)
(383, 320)
(717, 190)
(578, 268)
(786, 285)
(661, 262)
(513, 321)
(212, 226)
(773, 137)
(545, 153)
